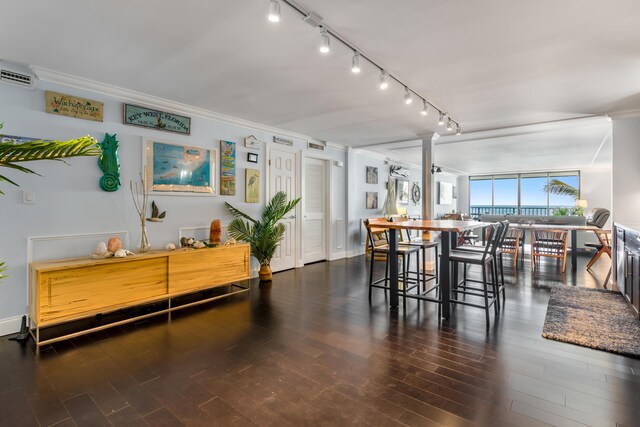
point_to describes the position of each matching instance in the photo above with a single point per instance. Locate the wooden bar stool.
(404, 254)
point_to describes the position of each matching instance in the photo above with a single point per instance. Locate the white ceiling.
(568, 145)
(491, 63)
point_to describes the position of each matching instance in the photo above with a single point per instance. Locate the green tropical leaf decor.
(560, 188)
(264, 233)
(12, 154)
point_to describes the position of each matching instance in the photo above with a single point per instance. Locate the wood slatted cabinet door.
(69, 293)
(204, 268)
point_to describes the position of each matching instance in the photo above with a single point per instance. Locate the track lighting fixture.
(327, 33)
(274, 11)
(459, 131)
(407, 96)
(355, 63)
(435, 169)
(383, 80)
(607, 117)
(325, 43)
(425, 109)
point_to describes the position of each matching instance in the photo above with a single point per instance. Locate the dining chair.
(511, 244)
(404, 256)
(549, 243)
(602, 247)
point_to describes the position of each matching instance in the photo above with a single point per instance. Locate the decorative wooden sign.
(283, 141)
(74, 106)
(227, 168)
(146, 117)
(251, 142)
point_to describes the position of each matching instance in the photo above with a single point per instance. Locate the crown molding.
(625, 114)
(52, 76)
(336, 146)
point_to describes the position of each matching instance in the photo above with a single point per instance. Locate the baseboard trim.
(10, 325)
(338, 255)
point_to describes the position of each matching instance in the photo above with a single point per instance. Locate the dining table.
(573, 229)
(449, 230)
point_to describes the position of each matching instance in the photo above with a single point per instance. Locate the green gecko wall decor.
(109, 163)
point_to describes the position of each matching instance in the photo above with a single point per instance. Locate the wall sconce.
(435, 169)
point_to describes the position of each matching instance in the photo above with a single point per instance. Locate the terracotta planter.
(265, 272)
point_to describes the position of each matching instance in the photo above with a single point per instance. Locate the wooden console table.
(66, 290)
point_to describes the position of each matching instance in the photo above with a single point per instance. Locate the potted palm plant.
(265, 233)
(12, 154)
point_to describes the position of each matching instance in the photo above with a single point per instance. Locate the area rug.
(593, 318)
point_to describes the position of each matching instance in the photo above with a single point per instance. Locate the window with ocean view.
(523, 194)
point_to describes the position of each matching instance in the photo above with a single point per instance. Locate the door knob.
(292, 217)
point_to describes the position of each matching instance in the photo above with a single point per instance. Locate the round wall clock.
(415, 193)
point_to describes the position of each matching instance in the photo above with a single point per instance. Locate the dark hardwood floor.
(310, 350)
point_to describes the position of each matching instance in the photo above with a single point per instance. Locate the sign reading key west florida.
(148, 118)
(74, 106)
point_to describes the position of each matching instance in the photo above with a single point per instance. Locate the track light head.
(441, 119)
(435, 169)
(449, 127)
(459, 131)
(274, 11)
(355, 63)
(383, 80)
(425, 108)
(407, 96)
(325, 42)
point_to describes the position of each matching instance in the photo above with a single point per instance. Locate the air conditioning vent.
(314, 146)
(15, 78)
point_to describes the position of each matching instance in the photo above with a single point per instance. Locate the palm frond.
(265, 234)
(560, 188)
(11, 154)
(238, 213)
(3, 268)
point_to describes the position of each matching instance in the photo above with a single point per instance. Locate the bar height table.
(448, 239)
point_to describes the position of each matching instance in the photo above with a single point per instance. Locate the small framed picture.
(252, 157)
(372, 175)
(372, 200)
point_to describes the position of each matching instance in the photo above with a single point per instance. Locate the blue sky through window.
(503, 190)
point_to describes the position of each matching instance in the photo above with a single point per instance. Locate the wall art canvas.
(402, 191)
(149, 118)
(446, 193)
(372, 175)
(372, 200)
(227, 168)
(176, 168)
(252, 186)
(73, 106)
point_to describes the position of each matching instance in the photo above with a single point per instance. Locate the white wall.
(626, 173)
(68, 200)
(439, 209)
(357, 188)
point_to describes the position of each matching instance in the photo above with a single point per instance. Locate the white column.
(427, 177)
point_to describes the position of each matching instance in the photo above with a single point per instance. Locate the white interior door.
(314, 210)
(282, 177)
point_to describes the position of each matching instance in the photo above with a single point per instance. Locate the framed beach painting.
(177, 169)
(402, 191)
(227, 168)
(252, 186)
